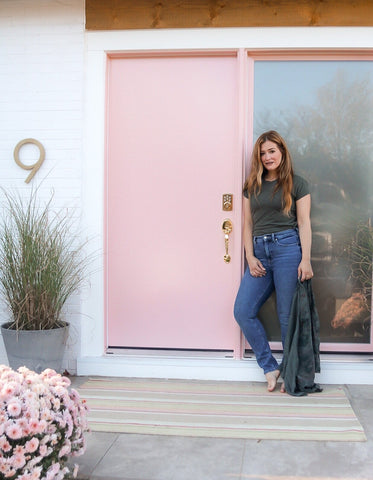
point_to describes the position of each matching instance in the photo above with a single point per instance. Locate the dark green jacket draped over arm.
(301, 358)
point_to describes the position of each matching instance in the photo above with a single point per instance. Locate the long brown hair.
(285, 172)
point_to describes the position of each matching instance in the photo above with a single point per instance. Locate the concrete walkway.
(111, 456)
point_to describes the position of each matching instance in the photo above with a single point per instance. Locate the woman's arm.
(303, 206)
(255, 266)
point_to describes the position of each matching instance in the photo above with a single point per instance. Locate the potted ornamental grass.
(42, 264)
(42, 425)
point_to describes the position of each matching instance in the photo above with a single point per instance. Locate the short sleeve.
(246, 193)
(301, 187)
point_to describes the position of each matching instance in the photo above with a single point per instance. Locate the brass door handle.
(227, 227)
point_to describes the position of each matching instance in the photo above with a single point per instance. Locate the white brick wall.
(41, 96)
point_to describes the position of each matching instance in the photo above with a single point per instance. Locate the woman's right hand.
(256, 268)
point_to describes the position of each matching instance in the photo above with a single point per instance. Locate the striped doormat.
(218, 409)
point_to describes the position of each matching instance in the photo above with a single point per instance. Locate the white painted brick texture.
(41, 97)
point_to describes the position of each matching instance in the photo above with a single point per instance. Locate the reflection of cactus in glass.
(361, 252)
(354, 314)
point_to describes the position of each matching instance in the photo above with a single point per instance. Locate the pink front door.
(173, 150)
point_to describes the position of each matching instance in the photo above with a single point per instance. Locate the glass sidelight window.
(324, 109)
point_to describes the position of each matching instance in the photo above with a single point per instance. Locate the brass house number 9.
(35, 166)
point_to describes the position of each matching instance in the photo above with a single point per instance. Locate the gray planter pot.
(35, 349)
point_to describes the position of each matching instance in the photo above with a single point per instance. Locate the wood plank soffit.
(150, 14)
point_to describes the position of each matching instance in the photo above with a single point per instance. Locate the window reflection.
(324, 111)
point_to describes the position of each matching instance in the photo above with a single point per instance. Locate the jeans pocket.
(259, 251)
(288, 240)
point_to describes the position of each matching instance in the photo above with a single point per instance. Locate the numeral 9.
(35, 167)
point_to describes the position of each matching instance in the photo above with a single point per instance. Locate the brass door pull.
(227, 227)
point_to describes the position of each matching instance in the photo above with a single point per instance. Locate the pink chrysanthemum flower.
(35, 475)
(4, 444)
(13, 432)
(19, 461)
(9, 390)
(14, 407)
(11, 473)
(32, 445)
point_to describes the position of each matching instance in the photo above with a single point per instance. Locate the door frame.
(246, 61)
(91, 349)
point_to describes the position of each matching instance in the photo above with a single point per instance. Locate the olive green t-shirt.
(267, 209)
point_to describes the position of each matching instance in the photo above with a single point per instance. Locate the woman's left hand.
(305, 270)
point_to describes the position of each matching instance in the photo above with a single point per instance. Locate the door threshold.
(335, 369)
(169, 353)
(221, 354)
(355, 357)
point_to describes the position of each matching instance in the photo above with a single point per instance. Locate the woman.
(277, 240)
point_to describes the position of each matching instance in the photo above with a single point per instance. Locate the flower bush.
(42, 424)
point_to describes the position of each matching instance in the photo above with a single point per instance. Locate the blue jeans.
(280, 254)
